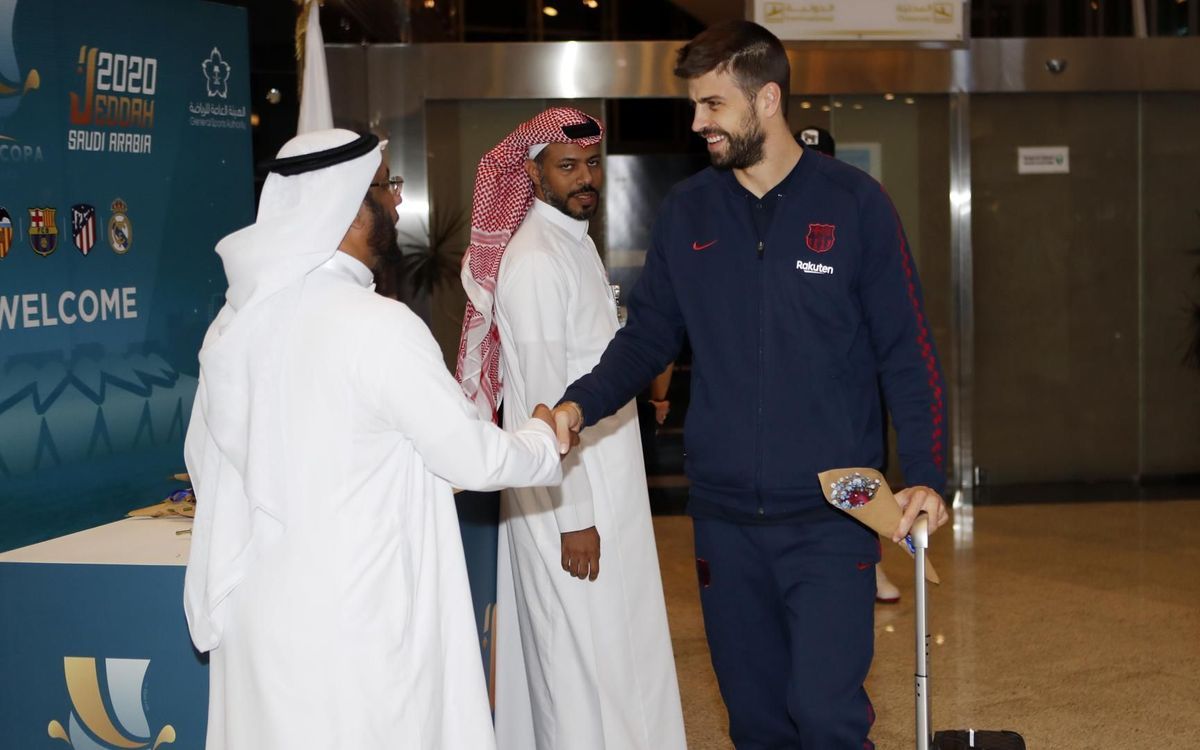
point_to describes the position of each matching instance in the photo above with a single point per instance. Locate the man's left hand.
(912, 501)
(662, 408)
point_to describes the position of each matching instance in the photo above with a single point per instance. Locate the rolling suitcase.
(954, 739)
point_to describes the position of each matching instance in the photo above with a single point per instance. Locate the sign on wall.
(124, 156)
(1043, 160)
(878, 20)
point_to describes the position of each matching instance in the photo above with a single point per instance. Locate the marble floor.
(1077, 625)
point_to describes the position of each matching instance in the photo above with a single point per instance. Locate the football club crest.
(820, 237)
(120, 229)
(43, 230)
(83, 227)
(6, 232)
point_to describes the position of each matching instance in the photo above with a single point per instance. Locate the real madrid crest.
(120, 228)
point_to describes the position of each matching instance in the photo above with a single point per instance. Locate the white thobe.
(342, 617)
(598, 666)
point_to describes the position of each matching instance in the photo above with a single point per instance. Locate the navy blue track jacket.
(797, 306)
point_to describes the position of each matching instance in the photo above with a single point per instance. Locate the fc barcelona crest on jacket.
(120, 228)
(43, 231)
(83, 227)
(6, 232)
(820, 237)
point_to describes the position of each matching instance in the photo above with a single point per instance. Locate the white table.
(130, 541)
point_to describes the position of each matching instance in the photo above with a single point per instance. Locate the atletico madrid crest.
(43, 230)
(83, 227)
(820, 237)
(6, 232)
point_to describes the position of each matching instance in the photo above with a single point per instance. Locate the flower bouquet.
(865, 495)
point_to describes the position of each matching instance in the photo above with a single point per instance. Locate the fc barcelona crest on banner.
(83, 227)
(120, 228)
(820, 237)
(43, 230)
(6, 232)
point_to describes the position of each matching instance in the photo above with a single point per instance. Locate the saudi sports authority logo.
(216, 74)
(116, 721)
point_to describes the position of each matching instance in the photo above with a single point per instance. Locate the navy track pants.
(789, 613)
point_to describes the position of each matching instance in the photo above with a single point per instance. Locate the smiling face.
(727, 119)
(568, 177)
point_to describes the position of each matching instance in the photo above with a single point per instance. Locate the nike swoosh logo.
(698, 246)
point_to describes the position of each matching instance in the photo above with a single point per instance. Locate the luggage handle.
(920, 539)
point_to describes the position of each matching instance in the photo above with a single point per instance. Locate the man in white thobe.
(598, 670)
(326, 576)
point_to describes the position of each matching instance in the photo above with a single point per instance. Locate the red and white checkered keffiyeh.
(503, 195)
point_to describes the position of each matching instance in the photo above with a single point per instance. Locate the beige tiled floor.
(1077, 625)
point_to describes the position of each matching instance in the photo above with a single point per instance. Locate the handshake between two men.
(566, 420)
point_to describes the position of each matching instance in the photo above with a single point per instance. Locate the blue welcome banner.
(124, 156)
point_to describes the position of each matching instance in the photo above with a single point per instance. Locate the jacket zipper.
(758, 422)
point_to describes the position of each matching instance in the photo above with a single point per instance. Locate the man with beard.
(326, 577)
(791, 276)
(583, 654)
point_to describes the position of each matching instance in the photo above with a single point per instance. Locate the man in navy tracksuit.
(790, 273)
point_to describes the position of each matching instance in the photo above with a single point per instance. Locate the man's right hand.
(542, 412)
(581, 553)
(568, 421)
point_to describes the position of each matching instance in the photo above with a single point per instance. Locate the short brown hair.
(753, 55)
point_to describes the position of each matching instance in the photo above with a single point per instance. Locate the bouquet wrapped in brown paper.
(864, 494)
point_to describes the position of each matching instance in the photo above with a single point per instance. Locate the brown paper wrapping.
(881, 513)
(165, 509)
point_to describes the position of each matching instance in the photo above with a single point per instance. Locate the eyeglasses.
(394, 184)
